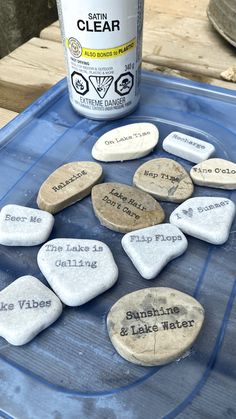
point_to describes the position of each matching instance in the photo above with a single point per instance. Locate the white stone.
(77, 270)
(128, 142)
(27, 307)
(206, 218)
(154, 326)
(151, 248)
(23, 226)
(215, 173)
(187, 147)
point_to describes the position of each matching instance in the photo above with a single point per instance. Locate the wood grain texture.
(6, 116)
(52, 33)
(178, 36)
(194, 8)
(188, 75)
(29, 71)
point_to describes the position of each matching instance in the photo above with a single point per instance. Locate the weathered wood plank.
(28, 72)
(6, 116)
(193, 8)
(188, 76)
(52, 33)
(56, 24)
(178, 35)
(185, 27)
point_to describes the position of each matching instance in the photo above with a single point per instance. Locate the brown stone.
(165, 179)
(124, 208)
(68, 184)
(154, 326)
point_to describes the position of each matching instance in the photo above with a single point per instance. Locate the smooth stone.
(165, 179)
(151, 248)
(77, 270)
(27, 307)
(215, 173)
(68, 184)
(187, 147)
(126, 143)
(123, 208)
(154, 326)
(23, 226)
(206, 218)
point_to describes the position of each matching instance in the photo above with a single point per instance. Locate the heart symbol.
(209, 218)
(188, 212)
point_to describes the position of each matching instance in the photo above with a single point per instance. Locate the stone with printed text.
(151, 248)
(23, 226)
(215, 173)
(188, 147)
(124, 208)
(27, 307)
(165, 179)
(127, 142)
(68, 184)
(77, 270)
(206, 218)
(154, 326)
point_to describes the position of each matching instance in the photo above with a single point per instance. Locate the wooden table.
(178, 40)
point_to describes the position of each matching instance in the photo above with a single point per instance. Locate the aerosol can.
(103, 51)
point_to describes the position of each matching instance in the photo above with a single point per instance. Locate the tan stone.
(215, 173)
(154, 326)
(165, 179)
(68, 184)
(124, 208)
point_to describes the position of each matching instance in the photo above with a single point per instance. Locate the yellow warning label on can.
(104, 54)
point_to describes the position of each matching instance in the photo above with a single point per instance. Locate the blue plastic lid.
(71, 369)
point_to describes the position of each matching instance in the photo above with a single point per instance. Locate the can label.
(103, 49)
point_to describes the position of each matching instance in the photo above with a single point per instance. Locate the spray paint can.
(103, 51)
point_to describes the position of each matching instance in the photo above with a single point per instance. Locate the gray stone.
(222, 15)
(23, 226)
(206, 218)
(77, 270)
(26, 308)
(151, 248)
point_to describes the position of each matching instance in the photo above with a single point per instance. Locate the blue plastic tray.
(71, 370)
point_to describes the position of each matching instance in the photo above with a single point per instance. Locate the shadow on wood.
(21, 20)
